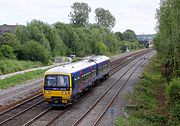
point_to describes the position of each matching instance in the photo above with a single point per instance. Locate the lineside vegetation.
(39, 41)
(21, 78)
(156, 98)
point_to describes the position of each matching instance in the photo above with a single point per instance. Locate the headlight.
(47, 92)
(65, 92)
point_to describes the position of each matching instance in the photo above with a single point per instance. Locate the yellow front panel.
(63, 94)
(66, 95)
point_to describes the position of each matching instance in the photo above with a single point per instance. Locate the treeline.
(167, 44)
(39, 41)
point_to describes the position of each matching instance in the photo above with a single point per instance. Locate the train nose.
(56, 100)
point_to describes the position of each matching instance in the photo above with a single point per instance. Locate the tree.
(104, 18)
(10, 40)
(6, 52)
(23, 34)
(57, 45)
(100, 48)
(168, 38)
(119, 36)
(80, 14)
(34, 51)
(36, 29)
(129, 35)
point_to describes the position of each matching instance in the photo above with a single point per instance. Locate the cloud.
(138, 15)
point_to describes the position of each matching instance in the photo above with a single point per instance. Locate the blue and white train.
(63, 85)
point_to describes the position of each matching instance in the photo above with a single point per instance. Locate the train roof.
(76, 66)
(72, 67)
(99, 59)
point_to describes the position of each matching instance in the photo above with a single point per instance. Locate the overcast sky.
(138, 15)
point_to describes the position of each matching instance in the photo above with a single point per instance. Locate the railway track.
(46, 119)
(10, 116)
(105, 100)
(117, 93)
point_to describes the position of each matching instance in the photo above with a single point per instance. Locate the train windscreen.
(57, 81)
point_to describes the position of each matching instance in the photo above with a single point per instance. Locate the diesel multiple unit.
(64, 84)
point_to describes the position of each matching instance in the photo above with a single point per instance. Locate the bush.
(6, 52)
(20, 78)
(34, 51)
(173, 94)
(10, 40)
(173, 90)
(175, 110)
(100, 48)
(10, 66)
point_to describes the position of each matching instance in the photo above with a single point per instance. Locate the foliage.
(37, 29)
(173, 90)
(62, 39)
(119, 36)
(145, 108)
(129, 35)
(168, 37)
(104, 18)
(142, 103)
(173, 95)
(10, 40)
(6, 52)
(34, 51)
(80, 14)
(20, 79)
(100, 48)
(168, 49)
(83, 41)
(10, 66)
(23, 34)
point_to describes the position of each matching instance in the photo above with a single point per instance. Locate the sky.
(138, 15)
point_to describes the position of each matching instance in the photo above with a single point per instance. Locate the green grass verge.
(10, 66)
(142, 103)
(21, 78)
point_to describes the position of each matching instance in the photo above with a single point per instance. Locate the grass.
(21, 78)
(143, 103)
(10, 66)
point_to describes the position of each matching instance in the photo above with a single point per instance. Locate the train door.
(97, 70)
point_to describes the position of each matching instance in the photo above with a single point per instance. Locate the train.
(63, 85)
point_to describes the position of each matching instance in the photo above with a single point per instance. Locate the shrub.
(175, 110)
(10, 40)
(173, 90)
(10, 66)
(34, 51)
(6, 52)
(173, 94)
(100, 48)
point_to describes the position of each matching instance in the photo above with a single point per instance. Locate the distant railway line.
(35, 108)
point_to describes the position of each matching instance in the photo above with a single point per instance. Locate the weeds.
(21, 78)
(144, 100)
(10, 66)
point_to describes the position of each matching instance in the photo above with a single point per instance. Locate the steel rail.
(25, 110)
(25, 100)
(50, 122)
(97, 101)
(32, 97)
(40, 102)
(116, 94)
